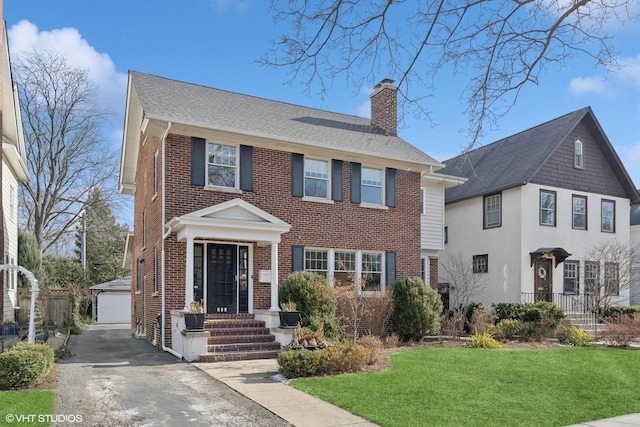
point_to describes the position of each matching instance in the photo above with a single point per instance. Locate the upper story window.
(548, 208)
(571, 277)
(316, 178)
(481, 263)
(578, 156)
(579, 220)
(221, 165)
(371, 190)
(156, 173)
(493, 211)
(608, 216)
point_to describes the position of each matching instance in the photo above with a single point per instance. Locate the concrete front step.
(235, 356)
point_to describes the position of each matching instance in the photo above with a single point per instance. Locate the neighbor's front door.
(222, 278)
(543, 280)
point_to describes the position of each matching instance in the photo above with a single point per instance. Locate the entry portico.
(231, 221)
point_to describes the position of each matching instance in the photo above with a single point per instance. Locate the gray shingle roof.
(514, 160)
(123, 284)
(192, 104)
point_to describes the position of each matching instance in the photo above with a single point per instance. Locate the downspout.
(164, 237)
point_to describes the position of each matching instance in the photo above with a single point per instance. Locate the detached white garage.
(112, 301)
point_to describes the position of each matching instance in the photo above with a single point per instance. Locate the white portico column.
(188, 290)
(274, 277)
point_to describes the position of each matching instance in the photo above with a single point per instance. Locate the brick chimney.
(384, 107)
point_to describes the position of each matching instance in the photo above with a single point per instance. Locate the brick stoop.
(238, 337)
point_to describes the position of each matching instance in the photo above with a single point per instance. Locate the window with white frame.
(548, 208)
(371, 189)
(156, 173)
(344, 267)
(611, 278)
(608, 216)
(372, 271)
(571, 277)
(316, 178)
(492, 211)
(591, 274)
(579, 212)
(423, 201)
(481, 263)
(316, 260)
(156, 269)
(221, 165)
(10, 276)
(578, 156)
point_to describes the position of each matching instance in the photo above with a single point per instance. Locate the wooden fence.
(55, 305)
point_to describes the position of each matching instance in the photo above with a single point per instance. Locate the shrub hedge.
(24, 365)
(337, 359)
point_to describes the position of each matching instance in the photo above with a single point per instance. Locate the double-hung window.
(316, 260)
(372, 271)
(316, 178)
(344, 267)
(548, 208)
(579, 220)
(221, 165)
(481, 263)
(608, 216)
(493, 211)
(571, 277)
(591, 275)
(371, 190)
(611, 278)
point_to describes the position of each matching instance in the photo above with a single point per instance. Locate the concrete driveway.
(116, 380)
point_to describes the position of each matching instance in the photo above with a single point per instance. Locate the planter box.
(289, 319)
(194, 321)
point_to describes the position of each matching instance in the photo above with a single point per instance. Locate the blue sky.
(216, 43)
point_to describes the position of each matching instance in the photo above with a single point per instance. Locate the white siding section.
(9, 208)
(432, 220)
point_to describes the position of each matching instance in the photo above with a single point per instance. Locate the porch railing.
(581, 305)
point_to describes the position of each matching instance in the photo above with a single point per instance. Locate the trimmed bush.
(509, 328)
(613, 311)
(25, 365)
(301, 363)
(540, 318)
(416, 309)
(315, 301)
(346, 357)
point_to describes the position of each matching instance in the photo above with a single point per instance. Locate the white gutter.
(164, 236)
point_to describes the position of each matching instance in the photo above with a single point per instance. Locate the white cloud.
(583, 85)
(629, 70)
(25, 36)
(221, 6)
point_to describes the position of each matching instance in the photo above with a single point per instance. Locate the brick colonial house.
(533, 205)
(234, 192)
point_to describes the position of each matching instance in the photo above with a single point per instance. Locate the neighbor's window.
(571, 277)
(611, 278)
(578, 156)
(492, 211)
(371, 188)
(316, 178)
(156, 173)
(344, 267)
(608, 216)
(481, 263)
(591, 273)
(221, 165)
(579, 212)
(423, 201)
(548, 208)
(316, 260)
(372, 271)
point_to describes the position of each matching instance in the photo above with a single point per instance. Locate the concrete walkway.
(621, 421)
(252, 378)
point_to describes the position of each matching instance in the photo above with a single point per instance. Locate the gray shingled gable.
(201, 106)
(514, 160)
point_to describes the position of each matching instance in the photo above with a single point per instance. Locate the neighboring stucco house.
(533, 205)
(235, 192)
(635, 242)
(14, 171)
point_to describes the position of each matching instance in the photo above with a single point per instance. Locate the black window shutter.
(297, 175)
(198, 161)
(246, 168)
(390, 188)
(337, 180)
(355, 183)
(297, 258)
(390, 266)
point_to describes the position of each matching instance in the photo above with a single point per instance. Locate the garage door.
(114, 307)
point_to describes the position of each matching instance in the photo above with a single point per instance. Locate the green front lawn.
(26, 407)
(459, 386)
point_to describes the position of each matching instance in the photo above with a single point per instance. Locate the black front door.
(222, 287)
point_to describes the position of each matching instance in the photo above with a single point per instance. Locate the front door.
(542, 280)
(222, 288)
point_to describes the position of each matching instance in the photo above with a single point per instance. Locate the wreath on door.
(542, 272)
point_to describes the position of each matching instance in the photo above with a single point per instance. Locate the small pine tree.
(29, 257)
(417, 309)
